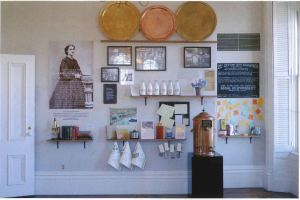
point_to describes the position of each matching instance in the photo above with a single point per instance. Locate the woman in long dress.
(69, 90)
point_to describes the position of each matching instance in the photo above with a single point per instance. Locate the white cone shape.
(139, 158)
(114, 157)
(126, 156)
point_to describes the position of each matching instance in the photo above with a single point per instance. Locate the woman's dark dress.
(69, 90)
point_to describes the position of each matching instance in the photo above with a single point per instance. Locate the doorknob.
(28, 131)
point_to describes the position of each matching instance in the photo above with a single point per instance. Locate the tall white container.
(156, 88)
(163, 88)
(177, 88)
(170, 88)
(149, 88)
(143, 88)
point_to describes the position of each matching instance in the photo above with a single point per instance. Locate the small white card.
(185, 121)
(179, 147)
(178, 119)
(161, 148)
(166, 146)
(172, 148)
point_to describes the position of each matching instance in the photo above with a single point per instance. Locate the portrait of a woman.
(69, 90)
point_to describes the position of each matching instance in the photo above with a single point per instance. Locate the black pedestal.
(207, 176)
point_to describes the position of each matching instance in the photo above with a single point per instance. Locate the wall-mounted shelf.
(239, 136)
(61, 140)
(178, 96)
(167, 41)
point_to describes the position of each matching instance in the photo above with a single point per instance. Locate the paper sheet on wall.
(167, 122)
(210, 80)
(166, 111)
(181, 109)
(178, 119)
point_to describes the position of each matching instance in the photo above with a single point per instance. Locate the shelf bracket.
(250, 140)
(83, 144)
(57, 144)
(201, 100)
(145, 101)
(226, 140)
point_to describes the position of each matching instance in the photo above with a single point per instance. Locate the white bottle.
(143, 89)
(163, 88)
(177, 88)
(170, 88)
(156, 88)
(149, 88)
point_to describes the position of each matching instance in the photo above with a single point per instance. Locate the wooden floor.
(228, 193)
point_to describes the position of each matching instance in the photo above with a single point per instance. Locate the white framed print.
(127, 76)
(147, 130)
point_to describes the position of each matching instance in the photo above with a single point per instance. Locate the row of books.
(73, 133)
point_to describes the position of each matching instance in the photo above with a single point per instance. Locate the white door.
(17, 84)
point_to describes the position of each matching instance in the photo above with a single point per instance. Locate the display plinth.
(207, 176)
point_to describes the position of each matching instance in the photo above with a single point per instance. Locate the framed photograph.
(147, 130)
(119, 56)
(181, 114)
(197, 57)
(123, 116)
(127, 76)
(109, 74)
(110, 93)
(151, 58)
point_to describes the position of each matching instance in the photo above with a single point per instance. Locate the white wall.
(27, 28)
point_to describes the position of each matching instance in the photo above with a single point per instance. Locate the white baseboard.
(136, 182)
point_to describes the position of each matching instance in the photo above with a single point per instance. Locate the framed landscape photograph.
(197, 57)
(109, 74)
(119, 56)
(151, 58)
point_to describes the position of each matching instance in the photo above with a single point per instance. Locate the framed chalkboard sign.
(238, 80)
(110, 93)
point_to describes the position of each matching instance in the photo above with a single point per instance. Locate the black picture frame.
(119, 55)
(197, 57)
(110, 93)
(110, 74)
(173, 103)
(150, 58)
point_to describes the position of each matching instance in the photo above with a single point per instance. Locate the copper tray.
(157, 23)
(119, 21)
(195, 21)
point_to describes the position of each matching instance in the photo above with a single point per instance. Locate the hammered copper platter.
(157, 23)
(195, 21)
(119, 21)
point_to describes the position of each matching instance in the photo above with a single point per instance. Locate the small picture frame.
(126, 76)
(151, 58)
(109, 74)
(197, 57)
(147, 130)
(119, 56)
(109, 93)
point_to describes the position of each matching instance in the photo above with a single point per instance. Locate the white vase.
(149, 88)
(170, 88)
(156, 88)
(177, 88)
(143, 89)
(163, 88)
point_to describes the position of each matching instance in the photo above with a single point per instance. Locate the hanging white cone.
(126, 156)
(139, 158)
(114, 157)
